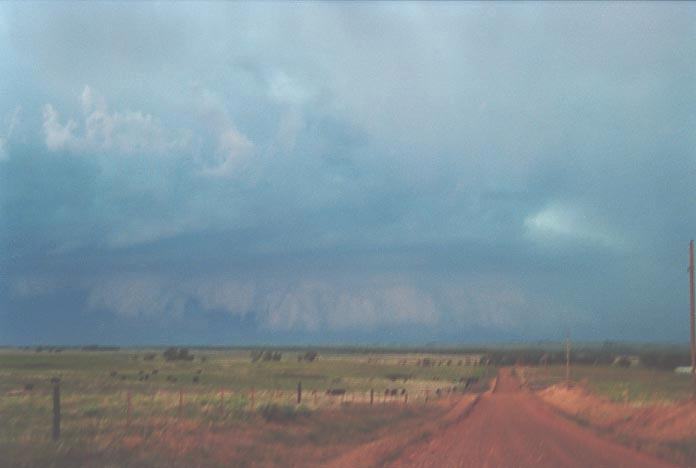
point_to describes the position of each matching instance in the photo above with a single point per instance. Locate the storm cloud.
(411, 172)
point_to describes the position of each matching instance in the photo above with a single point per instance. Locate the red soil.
(512, 428)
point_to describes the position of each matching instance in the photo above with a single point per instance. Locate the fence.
(223, 403)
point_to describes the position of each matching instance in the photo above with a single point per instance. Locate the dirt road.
(511, 428)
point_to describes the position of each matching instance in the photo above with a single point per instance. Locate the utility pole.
(567, 350)
(693, 312)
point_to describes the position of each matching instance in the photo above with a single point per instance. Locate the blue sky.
(345, 172)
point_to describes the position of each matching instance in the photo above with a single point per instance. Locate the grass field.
(632, 384)
(230, 408)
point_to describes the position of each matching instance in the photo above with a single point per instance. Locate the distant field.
(180, 403)
(635, 384)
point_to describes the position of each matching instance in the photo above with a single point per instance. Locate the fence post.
(128, 409)
(299, 392)
(56, 408)
(372, 395)
(222, 401)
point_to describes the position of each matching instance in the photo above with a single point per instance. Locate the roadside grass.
(620, 384)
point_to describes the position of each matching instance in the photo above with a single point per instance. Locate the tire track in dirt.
(382, 451)
(510, 428)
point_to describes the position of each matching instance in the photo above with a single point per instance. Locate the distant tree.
(256, 355)
(309, 356)
(170, 354)
(177, 354)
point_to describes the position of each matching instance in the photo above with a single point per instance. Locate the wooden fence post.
(299, 392)
(372, 395)
(128, 409)
(56, 408)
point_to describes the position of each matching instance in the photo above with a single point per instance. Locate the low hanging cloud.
(313, 305)
(147, 295)
(307, 305)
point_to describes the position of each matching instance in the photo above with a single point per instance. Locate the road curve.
(510, 428)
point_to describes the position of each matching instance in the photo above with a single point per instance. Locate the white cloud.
(57, 135)
(12, 124)
(92, 101)
(560, 222)
(286, 90)
(125, 132)
(232, 146)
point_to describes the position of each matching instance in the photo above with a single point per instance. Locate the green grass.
(89, 371)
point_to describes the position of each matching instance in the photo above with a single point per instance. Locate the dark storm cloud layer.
(363, 172)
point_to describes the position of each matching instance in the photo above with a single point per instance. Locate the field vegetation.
(204, 407)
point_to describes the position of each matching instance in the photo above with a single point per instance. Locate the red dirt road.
(511, 428)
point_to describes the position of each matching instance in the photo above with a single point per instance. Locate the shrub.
(282, 413)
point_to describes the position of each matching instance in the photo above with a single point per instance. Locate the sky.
(346, 173)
